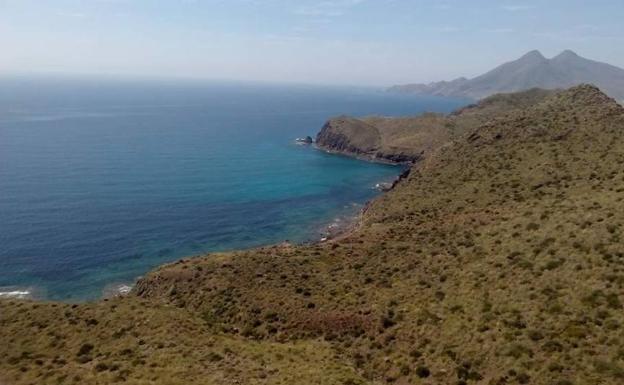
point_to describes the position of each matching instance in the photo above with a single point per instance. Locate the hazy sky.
(376, 42)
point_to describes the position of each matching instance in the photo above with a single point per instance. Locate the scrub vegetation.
(497, 260)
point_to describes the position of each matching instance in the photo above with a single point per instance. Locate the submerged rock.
(384, 186)
(307, 140)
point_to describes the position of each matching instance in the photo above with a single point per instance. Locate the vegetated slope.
(531, 70)
(498, 260)
(131, 341)
(410, 139)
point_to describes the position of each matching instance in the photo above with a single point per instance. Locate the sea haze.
(102, 180)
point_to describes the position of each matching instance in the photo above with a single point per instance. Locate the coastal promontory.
(410, 139)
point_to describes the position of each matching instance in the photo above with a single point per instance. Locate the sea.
(103, 179)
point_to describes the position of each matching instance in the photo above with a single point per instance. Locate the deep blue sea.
(102, 180)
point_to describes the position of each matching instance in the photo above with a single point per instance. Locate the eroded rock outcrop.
(410, 139)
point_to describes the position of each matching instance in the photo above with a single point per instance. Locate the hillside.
(497, 260)
(531, 70)
(410, 139)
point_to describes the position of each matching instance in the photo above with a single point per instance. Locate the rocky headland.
(410, 139)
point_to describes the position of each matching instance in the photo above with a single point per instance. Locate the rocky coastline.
(344, 136)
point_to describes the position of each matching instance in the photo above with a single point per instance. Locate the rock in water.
(307, 140)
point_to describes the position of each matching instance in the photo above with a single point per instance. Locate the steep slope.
(498, 260)
(580, 70)
(530, 71)
(350, 135)
(411, 139)
(379, 138)
(130, 341)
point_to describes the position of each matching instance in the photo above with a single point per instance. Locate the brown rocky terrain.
(497, 260)
(410, 139)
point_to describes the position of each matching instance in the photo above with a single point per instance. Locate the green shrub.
(85, 349)
(423, 372)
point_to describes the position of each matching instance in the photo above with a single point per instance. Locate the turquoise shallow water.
(101, 181)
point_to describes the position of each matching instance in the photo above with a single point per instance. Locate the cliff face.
(410, 139)
(498, 260)
(350, 136)
(363, 138)
(369, 138)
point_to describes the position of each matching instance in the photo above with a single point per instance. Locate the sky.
(355, 42)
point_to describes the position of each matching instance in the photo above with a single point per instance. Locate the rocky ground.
(410, 139)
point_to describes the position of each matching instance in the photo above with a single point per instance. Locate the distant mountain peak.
(567, 54)
(532, 70)
(535, 54)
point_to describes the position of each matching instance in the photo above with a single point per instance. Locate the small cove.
(101, 181)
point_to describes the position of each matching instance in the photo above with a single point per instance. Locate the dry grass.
(136, 342)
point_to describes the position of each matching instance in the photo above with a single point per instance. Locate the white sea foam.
(124, 289)
(15, 294)
(116, 290)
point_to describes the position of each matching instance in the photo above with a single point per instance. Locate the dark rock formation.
(307, 140)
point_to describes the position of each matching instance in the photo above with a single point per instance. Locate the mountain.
(531, 70)
(499, 259)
